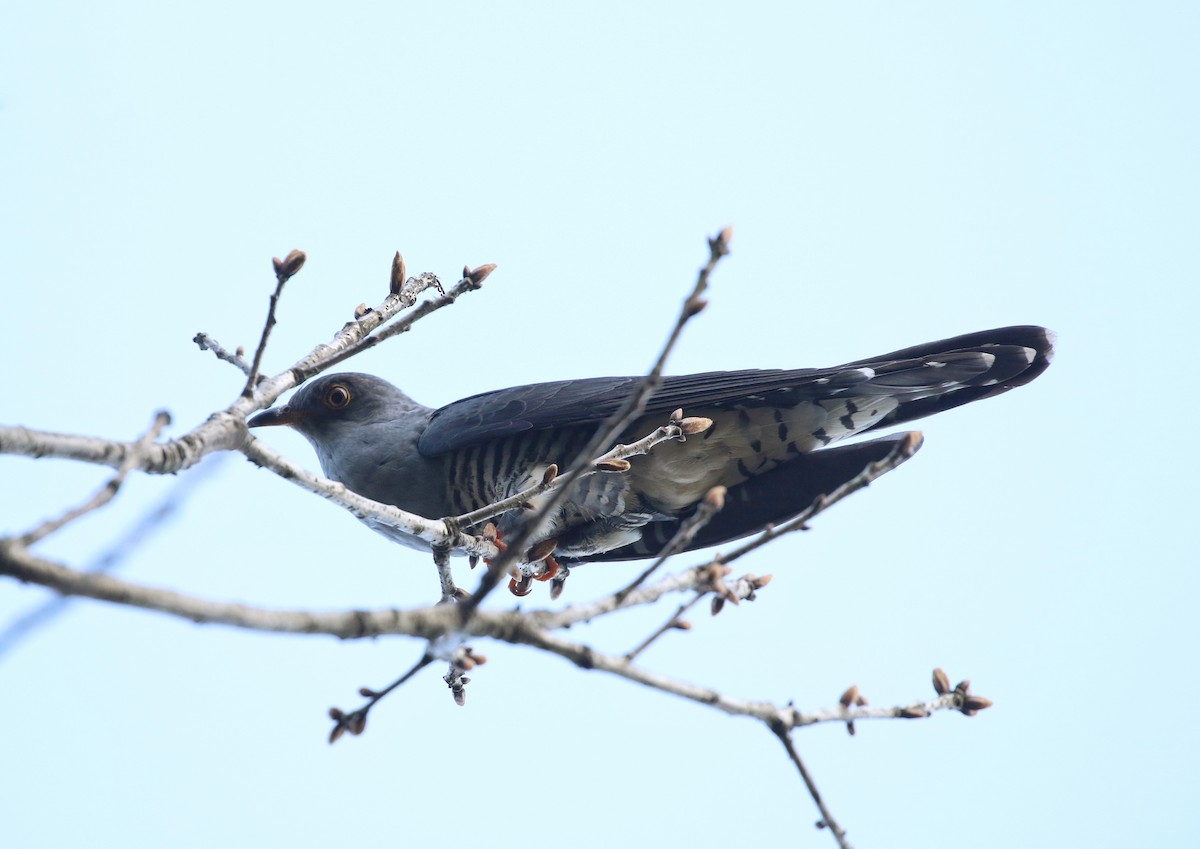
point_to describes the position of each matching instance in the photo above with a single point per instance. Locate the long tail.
(978, 365)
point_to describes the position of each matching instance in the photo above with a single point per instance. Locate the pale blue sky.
(895, 173)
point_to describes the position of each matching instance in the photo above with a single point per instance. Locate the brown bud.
(481, 273)
(241, 351)
(556, 588)
(460, 696)
(677, 416)
(850, 728)
(480, 659)
(367, 693)
(849, 696)
(718, 602)
(963, 687)
(761, 582)
(695, 424)
(941, 682)
(694, 306)
(681, 625)
(976, 704)
(861, 701)
(399, 274)
(541, 550)
(336, 733)
(612, 466)
(918, 712)
(290, 265)
(715, 497)
(361, 310)
(718, 245)
(357, 724)
(550, 474)
(336, 714)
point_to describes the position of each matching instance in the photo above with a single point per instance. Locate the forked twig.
(107, 492)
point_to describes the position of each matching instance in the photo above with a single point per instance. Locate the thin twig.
(467, 284)
(106, 493)
(207, 343)
(671, 624)
(149, 523)
(827, 821)
(666, 433)
(355, 722)
(904, 450)
(709, 506)
(432, 531)
(698, 578)
(617, 423)
(283, 272)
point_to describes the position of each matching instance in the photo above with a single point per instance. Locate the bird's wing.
(924, 379)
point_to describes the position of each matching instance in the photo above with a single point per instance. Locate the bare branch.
(225, 429)
(150, 522)
(904, 450)
(827, 821)
(355, 722)
(207, 343)
(106, 493)
(712, 503)
(672, 624)
(467, 284)
(434, 532)
(20, 563)
(695, 578)
(285, 269)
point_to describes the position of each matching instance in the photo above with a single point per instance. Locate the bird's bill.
(276, 416)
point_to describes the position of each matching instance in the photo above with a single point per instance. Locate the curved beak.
(284, 415)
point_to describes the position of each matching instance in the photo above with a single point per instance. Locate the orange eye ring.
(337, 396)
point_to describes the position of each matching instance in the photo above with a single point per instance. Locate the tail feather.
(977, 366)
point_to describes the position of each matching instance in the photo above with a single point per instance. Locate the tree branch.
(827, 821)
(107, 492)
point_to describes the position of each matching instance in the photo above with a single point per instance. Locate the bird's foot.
(540, 566)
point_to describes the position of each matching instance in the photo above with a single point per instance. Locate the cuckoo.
(768, 444)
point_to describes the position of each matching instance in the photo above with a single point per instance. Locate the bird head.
(336, 402)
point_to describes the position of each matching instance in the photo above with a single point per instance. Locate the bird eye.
(337, 396)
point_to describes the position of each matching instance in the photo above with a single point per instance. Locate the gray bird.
(767, 443)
